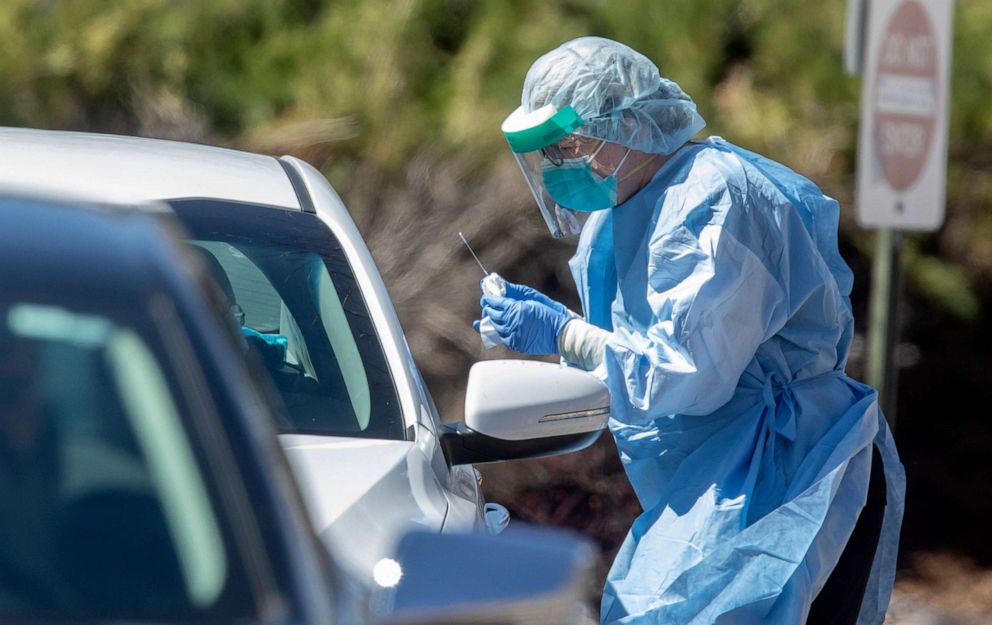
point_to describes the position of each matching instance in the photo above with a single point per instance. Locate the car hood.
(363, 494)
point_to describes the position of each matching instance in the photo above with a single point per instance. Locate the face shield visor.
(533, 137)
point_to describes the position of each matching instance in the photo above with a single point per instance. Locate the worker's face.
(606, 156)
(633, 169)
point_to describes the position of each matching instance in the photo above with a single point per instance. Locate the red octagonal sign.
(906, 92)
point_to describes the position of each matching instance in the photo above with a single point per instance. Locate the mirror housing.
(526, 409)
(521, 577)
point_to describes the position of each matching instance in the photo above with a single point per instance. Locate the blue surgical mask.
(575, 184)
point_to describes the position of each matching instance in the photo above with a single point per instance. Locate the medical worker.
(716, 308)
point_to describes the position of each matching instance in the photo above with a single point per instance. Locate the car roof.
(54, 250)
(132, 169)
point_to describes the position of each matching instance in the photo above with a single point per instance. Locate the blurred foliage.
(357, 83)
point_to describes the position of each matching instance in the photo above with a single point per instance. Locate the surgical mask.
(576, 185)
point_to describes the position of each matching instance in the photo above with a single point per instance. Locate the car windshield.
(291, 290)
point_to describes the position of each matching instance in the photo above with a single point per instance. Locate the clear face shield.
(562, 222)
(533, 137)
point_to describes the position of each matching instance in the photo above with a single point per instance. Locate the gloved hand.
(526, 326)
(525, 293)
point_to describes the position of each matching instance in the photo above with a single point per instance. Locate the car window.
(293, 295)
(104, 511)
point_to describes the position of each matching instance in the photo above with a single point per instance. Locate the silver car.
(357, 422)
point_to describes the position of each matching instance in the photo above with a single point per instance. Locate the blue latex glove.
(526, 326)
(525, 293)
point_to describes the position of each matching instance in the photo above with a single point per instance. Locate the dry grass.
(942, 589)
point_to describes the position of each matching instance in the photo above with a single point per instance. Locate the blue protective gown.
(748, 446)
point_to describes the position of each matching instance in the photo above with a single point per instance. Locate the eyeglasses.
(570, 146)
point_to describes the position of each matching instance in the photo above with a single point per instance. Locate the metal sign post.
(904, 50)
(883, 318)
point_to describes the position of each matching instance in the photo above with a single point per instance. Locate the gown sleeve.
(712, 302)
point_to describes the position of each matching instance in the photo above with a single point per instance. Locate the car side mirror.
(526, 409)
(524, 576)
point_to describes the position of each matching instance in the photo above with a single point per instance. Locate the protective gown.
(748, 446)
